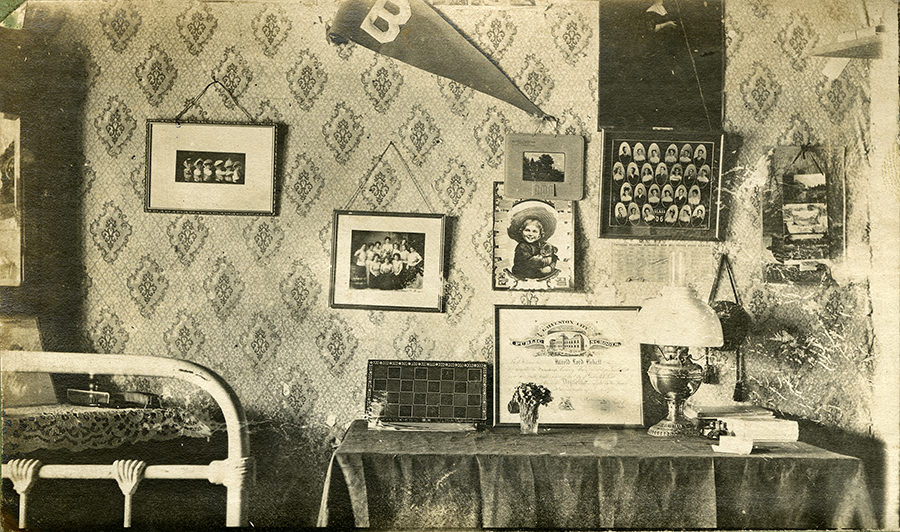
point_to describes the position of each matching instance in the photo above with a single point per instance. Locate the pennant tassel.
(413, 32)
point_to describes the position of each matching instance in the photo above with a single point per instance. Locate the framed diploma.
(586, 356)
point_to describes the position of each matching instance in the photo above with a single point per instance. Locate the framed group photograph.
(210, 168)
(544, 166)
(661, 185)
(586, 356)
(388, 261)
(534, 243)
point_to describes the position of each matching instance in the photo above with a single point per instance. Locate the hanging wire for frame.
(196, 99)
(374, 166)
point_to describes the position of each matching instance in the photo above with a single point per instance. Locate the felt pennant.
(413, 32)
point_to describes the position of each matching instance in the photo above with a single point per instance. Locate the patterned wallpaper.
(248, 296)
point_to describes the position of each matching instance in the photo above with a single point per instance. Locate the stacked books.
(748, 422)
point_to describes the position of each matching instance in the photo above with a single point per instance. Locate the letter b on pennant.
(389, 20)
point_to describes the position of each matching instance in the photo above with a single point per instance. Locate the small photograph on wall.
(534, 243)
(10, 202)
(547, 167)
(210, 168)
(660, 185)
(388, 261)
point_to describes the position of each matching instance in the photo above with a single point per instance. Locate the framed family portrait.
(534, 243)
(210, 168)
(661, 185)
(544, 166)
(587, 357)
(388, 261)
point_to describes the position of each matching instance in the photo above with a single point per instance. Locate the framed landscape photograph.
(210, 168)
(544, 166)
(586, 356)
(388, 261)
(661, 185)
(534, 243)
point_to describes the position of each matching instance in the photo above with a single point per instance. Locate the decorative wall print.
(211, 168)
(661, 185)
(534, 243)
(803, 213)
(661, 64)
(392, 261)
(10, 202)
(585, 356)
(544, 166)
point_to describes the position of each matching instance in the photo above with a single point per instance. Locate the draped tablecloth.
(77, 428)
(586, 478)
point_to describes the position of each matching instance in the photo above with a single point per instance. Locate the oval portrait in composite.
(632, 172)
(671, 154)
(703, 174)
(646, 173)
(662, 173)
(687, 151)
(653, 153)
(618, 171)
(694, 195)
(653, 194)
(680, 194)
(675, 173)
(668, 194)
(699, 215)
(625, 192)
(625, 152)
(671, 214)
(621, 212)
(640, 193)
(700, 155)
(684, 216)
(690, 173)
(647, 212)
(640, 155)
(634, 213)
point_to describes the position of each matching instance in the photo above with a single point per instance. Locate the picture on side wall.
(210, 168)
(388, 261)
(10, 202)
(660, 185)
(803, 215)
(533, 243)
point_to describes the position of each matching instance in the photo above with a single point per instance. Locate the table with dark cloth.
(586, 478)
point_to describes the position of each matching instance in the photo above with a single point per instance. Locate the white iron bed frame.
(236, 472)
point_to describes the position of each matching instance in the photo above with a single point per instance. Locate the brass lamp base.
(673, 427)
(676, 377)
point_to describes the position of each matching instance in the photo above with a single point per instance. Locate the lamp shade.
(678, 317)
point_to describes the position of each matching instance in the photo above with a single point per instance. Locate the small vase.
(528, 419)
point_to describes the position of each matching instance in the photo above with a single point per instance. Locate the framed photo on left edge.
(587, 357)
(214, 168)
(388, 261)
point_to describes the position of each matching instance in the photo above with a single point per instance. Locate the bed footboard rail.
(236, 472)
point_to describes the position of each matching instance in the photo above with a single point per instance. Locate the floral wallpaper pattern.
(248, 297)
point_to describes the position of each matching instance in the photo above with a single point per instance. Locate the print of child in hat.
(532, 223)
